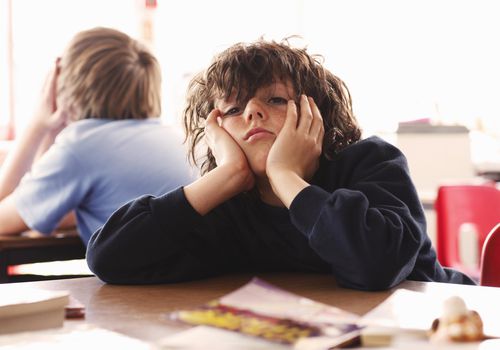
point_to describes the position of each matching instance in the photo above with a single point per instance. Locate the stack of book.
(32, 310)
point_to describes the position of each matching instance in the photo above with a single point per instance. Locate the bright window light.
(401, 60)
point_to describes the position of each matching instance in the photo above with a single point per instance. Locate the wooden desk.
(33, 247)
(137, 311)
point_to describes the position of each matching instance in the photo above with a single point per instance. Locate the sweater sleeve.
(371, 229)
(142, 242)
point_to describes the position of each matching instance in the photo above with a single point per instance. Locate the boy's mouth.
(255, 131)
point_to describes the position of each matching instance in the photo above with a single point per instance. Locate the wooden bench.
(32, 247)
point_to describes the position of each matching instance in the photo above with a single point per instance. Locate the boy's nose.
(254, 110)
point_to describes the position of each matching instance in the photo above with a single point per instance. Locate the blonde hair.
(107, 74)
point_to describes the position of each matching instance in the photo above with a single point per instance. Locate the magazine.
(73, 336)
(262, 310)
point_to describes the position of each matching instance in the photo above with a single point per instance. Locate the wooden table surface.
(139, 311)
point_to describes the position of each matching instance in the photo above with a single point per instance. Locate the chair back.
(490, 259)
(476, 206)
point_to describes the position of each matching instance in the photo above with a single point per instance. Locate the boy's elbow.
(382, 280)
(374, 277)
(108, 273)
(114, 269)
(11, 222)
(102, 265)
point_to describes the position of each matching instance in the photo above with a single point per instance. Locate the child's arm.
(294, 157)
(231, 176)
(46, 123)
(141, 244)
(363, 217)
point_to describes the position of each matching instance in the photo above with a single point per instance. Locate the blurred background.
(402, 60)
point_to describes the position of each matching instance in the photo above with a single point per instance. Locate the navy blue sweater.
(361, 220)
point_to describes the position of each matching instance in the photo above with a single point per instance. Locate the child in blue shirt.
(95, 141)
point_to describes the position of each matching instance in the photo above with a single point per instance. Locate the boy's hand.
(298, 146)
(226, 151)
(231, 176)
(48, 116)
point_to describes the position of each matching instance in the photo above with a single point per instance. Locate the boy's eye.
(232, 111)
(278, 100)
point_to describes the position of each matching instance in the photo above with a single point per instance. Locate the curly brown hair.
(243, 68)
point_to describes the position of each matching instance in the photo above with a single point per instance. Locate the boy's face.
(256, 124)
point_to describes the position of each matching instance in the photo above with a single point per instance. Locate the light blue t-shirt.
(97, 165)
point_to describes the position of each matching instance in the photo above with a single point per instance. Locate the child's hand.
(226, 151)
(48, 116)
(298, 146)
(231, 176)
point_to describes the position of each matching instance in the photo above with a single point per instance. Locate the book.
(73, 336)
(259, 309)
(74, 309)
(32, 309)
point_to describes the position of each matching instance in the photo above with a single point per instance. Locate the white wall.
(401, 59)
